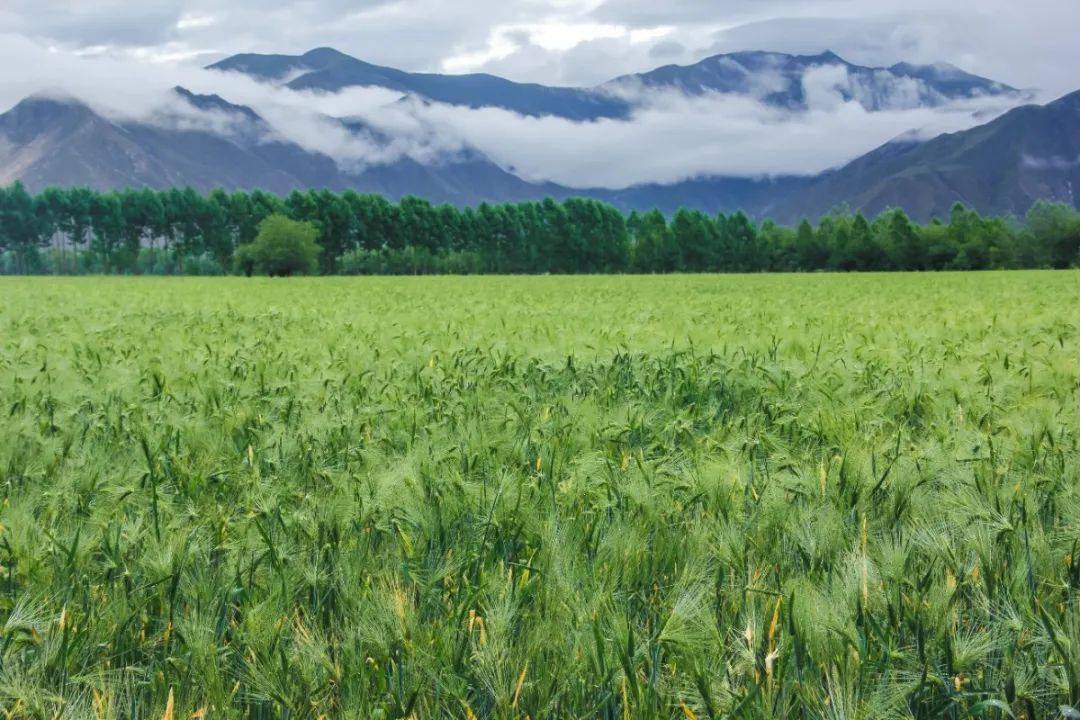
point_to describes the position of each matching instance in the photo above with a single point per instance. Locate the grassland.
(672, 497)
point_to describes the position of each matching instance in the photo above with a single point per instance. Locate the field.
(815, 496)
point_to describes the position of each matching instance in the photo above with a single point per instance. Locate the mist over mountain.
(62, 142)
(1030, 153)
(327, 70)
(781, 79)
(776, 78)
(466, 139)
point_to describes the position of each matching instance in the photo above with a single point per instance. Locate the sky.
(1030, 43)
(128, 52)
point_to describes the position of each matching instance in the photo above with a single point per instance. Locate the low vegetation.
(282, 248)
(178, 231)
(826, 496)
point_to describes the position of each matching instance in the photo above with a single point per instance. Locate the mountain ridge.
(876, 88)
(46, 141)
(329, 70)
(1030, 153)
(1002, 166)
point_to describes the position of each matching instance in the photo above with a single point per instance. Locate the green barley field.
(812, 496)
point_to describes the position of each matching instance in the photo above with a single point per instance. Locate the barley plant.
(835, 497)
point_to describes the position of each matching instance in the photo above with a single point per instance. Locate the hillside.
(46, 141)
(1002, 167)
(776, 78)
(1030, 153)
(328, 70)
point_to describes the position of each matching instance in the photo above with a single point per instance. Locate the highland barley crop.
(814, 496)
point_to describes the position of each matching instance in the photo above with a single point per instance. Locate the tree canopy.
(281, 248)
(178, 230)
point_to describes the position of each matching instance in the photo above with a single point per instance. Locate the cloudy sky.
(1030, 43)
(110, 48)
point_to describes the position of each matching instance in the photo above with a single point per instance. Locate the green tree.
(864, 250)
(283, 247)
(904, 244)
(813, 253)
(654, 249)
(1056, 228)
(744, 243)
(697, 239)
(22, 227)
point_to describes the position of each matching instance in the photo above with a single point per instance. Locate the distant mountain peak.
(939, 68)
(45, 113)
(329, 70)
(215, 102)
(777, 79)
(826, 57)
(758, 58)
(323, 55)
(773, 77)
(51, 101)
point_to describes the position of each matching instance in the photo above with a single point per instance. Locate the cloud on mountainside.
(670, 136)
(123, 58)
(674, 137)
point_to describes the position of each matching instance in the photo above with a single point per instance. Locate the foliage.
(818, 496)
(409, 261)
(282, 247)
(74, 231)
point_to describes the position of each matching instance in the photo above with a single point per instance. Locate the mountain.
(758, 197)
(328, 70)
(779, 79)
(46, 141)
(1030, 153)
(1027, 154)
(205, 141)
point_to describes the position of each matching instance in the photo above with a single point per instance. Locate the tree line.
(180, 231)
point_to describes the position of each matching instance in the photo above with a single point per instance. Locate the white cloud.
(670, 137)
(125, 90)
(673, 137)
(1029, 44)
(188, 22)
(1050, 163)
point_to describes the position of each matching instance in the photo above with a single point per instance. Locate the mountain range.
(776, 78)
(1029, 153)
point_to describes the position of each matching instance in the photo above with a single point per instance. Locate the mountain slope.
(1027, 154)
(758, 197)
(780, 79)
(1030, 153)
(46, 141)
(776, 78)
(328, 70)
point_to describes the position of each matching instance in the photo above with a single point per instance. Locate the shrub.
(283, 247)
